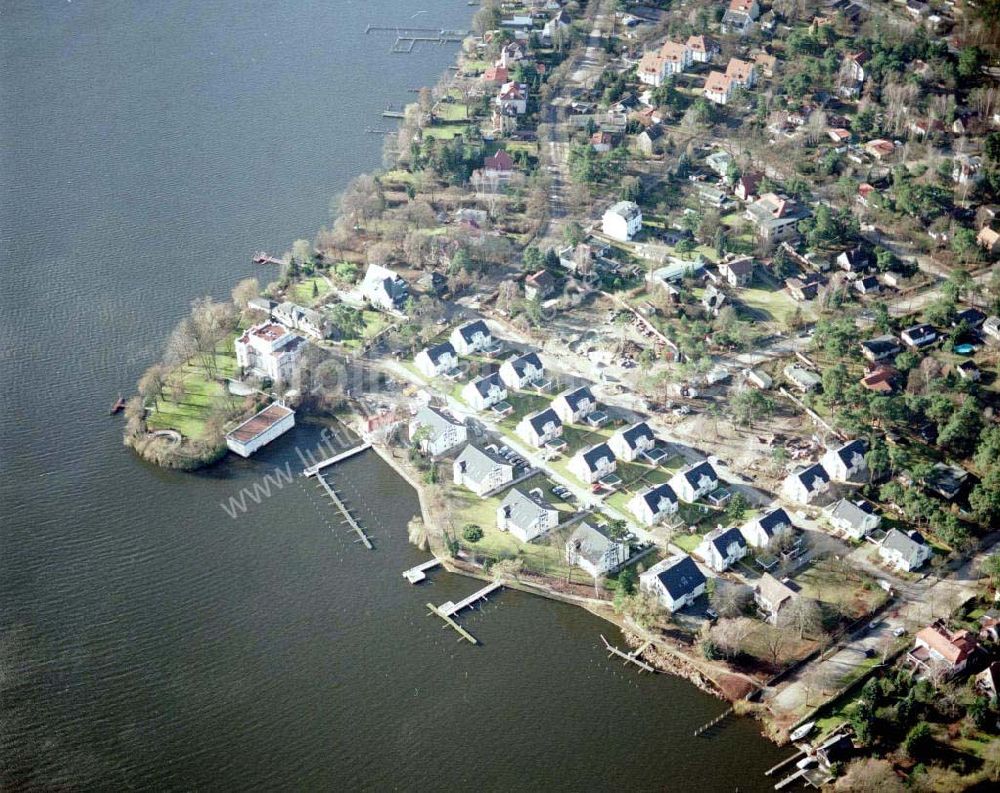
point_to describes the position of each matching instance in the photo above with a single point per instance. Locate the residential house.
(526, 515)
(522, 371)
(946, 480)
(270, 350)
(761, 530)
(805, 486)
(722, 547)
(433, 283)
(653, 504)
(702, 48)
(866, 195)
(629, 444)
(746, 186)
(736, 22)
(676, 57)
(540, 285)
(738, 271)
(540, 427)
(856, 519)
(919, 336)
(437, 431)
(800, 377)
(986, 215)
(712, 299)
(472, 337)
(675, 582)
(854, 260)
(881, 380)
(772, 595)
(852, 74)
(967, 169)
(991, 327)
(650, 139)
(718, 88)
(968, 370)
(593, 549)
(775, 217)
(847, 463)
(938, 648)
(481, 471)
(972, 318)
(593, 463)
(622, 221)
(880, 149)
(880, 348)
(512, 98)
(651, 69)
(498, 166)
(988, 239)
(558, 23)
(485, 392)
(437, 360)
(574, 405)
(742, 73)
(988, 682)
(694, 481)
(767, 63)
(602, 141)
(719, 161)
(498, 74)
(306, 320)
(839, 135)
(904, 552)
(384, 289)
(803, 289)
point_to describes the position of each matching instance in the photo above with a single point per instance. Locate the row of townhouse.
(673, 58)
(845, 463)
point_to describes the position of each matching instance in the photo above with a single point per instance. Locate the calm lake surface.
(147, 640)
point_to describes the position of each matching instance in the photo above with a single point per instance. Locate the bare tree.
(730, 634)
(729, 599)
(802, 615)
(152, 382)
(245, 291)
(868, 775)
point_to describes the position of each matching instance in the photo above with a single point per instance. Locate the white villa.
(435, 361)
(539, 428)
(526, 515)
(270, 350)
(472, 337)
(622, 221)
(485, 392)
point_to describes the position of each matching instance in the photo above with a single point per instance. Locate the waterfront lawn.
(444, 131)
(190, 397)
(452, 111)
(301, 292)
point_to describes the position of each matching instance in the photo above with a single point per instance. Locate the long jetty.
(629, 658)
(312, 470)
(448, 610)
(348, 517)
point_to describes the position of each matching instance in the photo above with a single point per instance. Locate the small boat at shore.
(801, 732)
(118, 406)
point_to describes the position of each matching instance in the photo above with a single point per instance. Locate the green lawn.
(444, 131)
(451, 111)
(777, 305)
(305, 292)
(190, 397)
(687, 542)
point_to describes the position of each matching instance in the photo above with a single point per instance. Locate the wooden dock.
(447, 610)
(630, 658)
(265, 258)
(713, 722)
(312, 470)
(449, 621)
(417, 574)
(348, 517)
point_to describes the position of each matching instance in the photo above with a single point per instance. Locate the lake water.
(147, 640)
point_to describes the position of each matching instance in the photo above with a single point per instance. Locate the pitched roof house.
(384, 289)
(694, 481)
(485, 392)
(718, 88)
(442, 434)
(481, 471)
(937, 647)
(722, 547)
(676, 582)
(772, 595)
(702, 48)
(776, 217)
(653, 504)
(738, 271)
(592, 549)
(540, 285)
(539, 428)
(526, 515)
(760, 531)
(521, 371)
(904, 552)
(856, 519)
(472, 337)
(574, 405)
(436, 360)
(919, 336)
(593, 463)
(807, 485)
(847, 462)
(880, 348)
(629, 443)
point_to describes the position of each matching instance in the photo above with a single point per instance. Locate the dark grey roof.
(541, 418)
(470, 329)
(479, 463)
(524, 361)
(722, 538)
(812, 476)
(484, 384)
(696, 472)
(595, 453)
(654, 495)
(848, 450)
(921, 334)
(881, 345)
(591, 542)
(523, 508)
(681, 578)
(574, 398)
(635, 433)
(438, 350)
(436, 420)
(772, 520)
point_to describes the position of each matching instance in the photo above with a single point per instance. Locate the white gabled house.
(594, 463)
(522, 371)
(856, 519)
(772, 595)
(472, 337)
(675, 582)
(480, 470)
(384, 289)
(760, 531)
(575, 405)
(904, 552)
(485, 392)
(537, 429)
(594, 551)
(695, 481)
(630, 443)
(847, 463)
(805, 486)
(438, 432)
(622, 221)
(653, 504)
(722, 547)
(435, 361)
(526, 515)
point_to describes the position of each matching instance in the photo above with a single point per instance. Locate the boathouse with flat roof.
(260, 429)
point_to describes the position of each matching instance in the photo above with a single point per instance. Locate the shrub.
(472, 533)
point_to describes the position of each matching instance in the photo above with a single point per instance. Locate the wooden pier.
(312, 470)
(630, 658)
(712, 723)
(447, 610)
(449, 621)
(417, 574)
(348, 517)
(265, 258)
